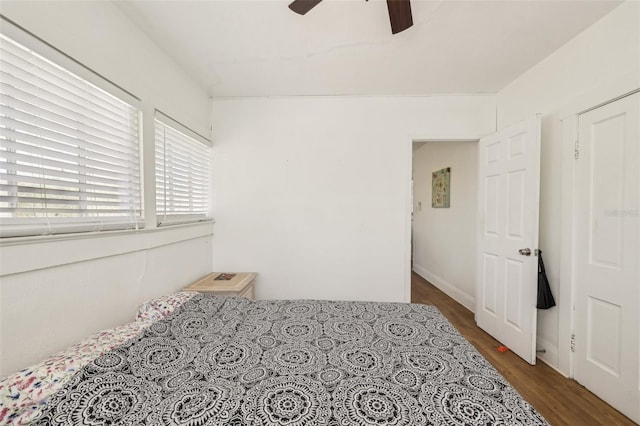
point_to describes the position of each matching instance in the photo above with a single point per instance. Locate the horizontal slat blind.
(69, 151)
(182, 176)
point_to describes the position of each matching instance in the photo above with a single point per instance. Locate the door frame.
(610, 91)
(410, 140)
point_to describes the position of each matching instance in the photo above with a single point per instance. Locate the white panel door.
(508, 194)
(607, 227)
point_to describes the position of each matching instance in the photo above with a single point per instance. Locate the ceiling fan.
(399, 12)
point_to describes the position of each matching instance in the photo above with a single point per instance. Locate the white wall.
(56, 290)
(51, 307)
(444, 239)
(607, 51)
(313, 193)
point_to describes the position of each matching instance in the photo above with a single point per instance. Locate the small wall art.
(441, 188)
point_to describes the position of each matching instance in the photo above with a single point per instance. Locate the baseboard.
(449, 289)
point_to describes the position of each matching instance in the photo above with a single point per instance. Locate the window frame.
(162, 218)
(49, 53)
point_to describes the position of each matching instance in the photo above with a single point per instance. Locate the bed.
(193, 359)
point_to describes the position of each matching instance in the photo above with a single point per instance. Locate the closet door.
(607, 254)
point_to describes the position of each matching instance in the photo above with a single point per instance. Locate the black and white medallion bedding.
(231, 361)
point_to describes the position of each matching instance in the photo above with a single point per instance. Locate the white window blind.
(69, 151)
(182, 175)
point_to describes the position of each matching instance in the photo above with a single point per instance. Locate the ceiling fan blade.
(303, 6)
(399, 15)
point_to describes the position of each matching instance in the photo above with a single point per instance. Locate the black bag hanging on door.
(545, 298)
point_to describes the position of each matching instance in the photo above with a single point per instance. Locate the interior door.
(508, 194)
(607, 229)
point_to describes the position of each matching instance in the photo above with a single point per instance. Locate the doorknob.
(525, 252)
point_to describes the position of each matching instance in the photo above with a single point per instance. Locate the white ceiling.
(261, 48)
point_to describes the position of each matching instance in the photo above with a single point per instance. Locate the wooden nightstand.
(226, 284)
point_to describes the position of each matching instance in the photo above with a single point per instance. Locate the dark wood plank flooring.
(560, 400)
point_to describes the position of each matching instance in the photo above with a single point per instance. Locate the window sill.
(22, 254)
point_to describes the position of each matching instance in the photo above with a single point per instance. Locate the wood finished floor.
(560, 400)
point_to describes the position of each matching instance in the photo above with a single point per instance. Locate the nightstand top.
(223, 282)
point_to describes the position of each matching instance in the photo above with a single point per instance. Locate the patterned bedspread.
(231, 361)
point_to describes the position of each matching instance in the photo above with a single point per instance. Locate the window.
(182, 173)
(69, 151)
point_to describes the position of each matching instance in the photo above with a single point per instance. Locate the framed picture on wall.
(441, 188)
